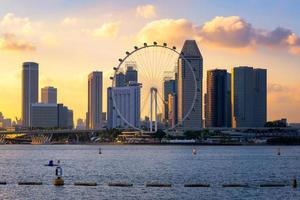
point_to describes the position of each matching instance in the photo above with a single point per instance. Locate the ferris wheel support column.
(156, 116)
(151, 97)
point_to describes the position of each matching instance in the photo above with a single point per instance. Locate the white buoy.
(194, 151)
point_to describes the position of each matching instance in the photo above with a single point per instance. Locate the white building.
(128, 101)
(95, 90)
(249, 97)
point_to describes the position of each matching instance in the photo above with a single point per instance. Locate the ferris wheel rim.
(136, 49)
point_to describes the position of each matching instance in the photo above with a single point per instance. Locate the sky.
(70, 39)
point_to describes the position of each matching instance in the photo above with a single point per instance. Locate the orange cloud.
(146, 11)
(10, 42)
(229, 32)
(167, 30)
(12, 23)
(107, 30)
(69, 21)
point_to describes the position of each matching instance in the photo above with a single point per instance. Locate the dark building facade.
(169, 87)
(218, 104)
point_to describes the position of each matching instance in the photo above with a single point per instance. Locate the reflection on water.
(214, 165)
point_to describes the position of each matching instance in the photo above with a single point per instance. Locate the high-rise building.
(128, 104)
(80, 125)
(217, 99)
(44, 115)
(49, 95)
(131, 74)
(168, 88)
(249, 97)
(192, 64)
(65, 117)
(95, 90)
(171, 110)
(30, 90)
(120, 80)
(51, 116)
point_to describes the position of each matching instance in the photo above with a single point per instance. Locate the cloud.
(225, 32)
(275, 87)
(167, 30)
(146, 11)
(228, 31)
(12, 23)
(69, 21)
(10, 42)
(107, 30)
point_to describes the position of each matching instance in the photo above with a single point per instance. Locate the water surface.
(140, 164)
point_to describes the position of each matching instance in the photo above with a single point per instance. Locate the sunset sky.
(70, 39)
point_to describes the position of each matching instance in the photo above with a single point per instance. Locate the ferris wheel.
(154, 64)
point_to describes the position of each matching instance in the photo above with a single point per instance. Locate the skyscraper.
(120, 80)
(30, 90)
(187, 87)
(131, 74)
(217, 99)
(249, 97)
(168, 88)
(49, 95)
(95, 90)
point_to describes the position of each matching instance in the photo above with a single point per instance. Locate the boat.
(50, 164)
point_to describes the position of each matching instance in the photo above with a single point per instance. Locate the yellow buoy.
(58, 182)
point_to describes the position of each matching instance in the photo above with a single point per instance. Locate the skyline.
(50, 41)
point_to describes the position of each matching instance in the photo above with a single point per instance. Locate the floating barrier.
(294, 183)
(3, 183)
(85, 184)
(158, 185)
(30, 183)
(235, 185)
(272, 185)
(120, 184)
(196, 185)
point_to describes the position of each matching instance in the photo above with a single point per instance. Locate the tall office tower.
(49, 95)
(217, 99)
(131, 74)
(228, 102)
(120, 80)
(205, 111)
(30, 90)
(168, 88)
(128, 105)
(171, 110)
(95, 90)
(187, 87)
(260, 91)
(249, 97)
